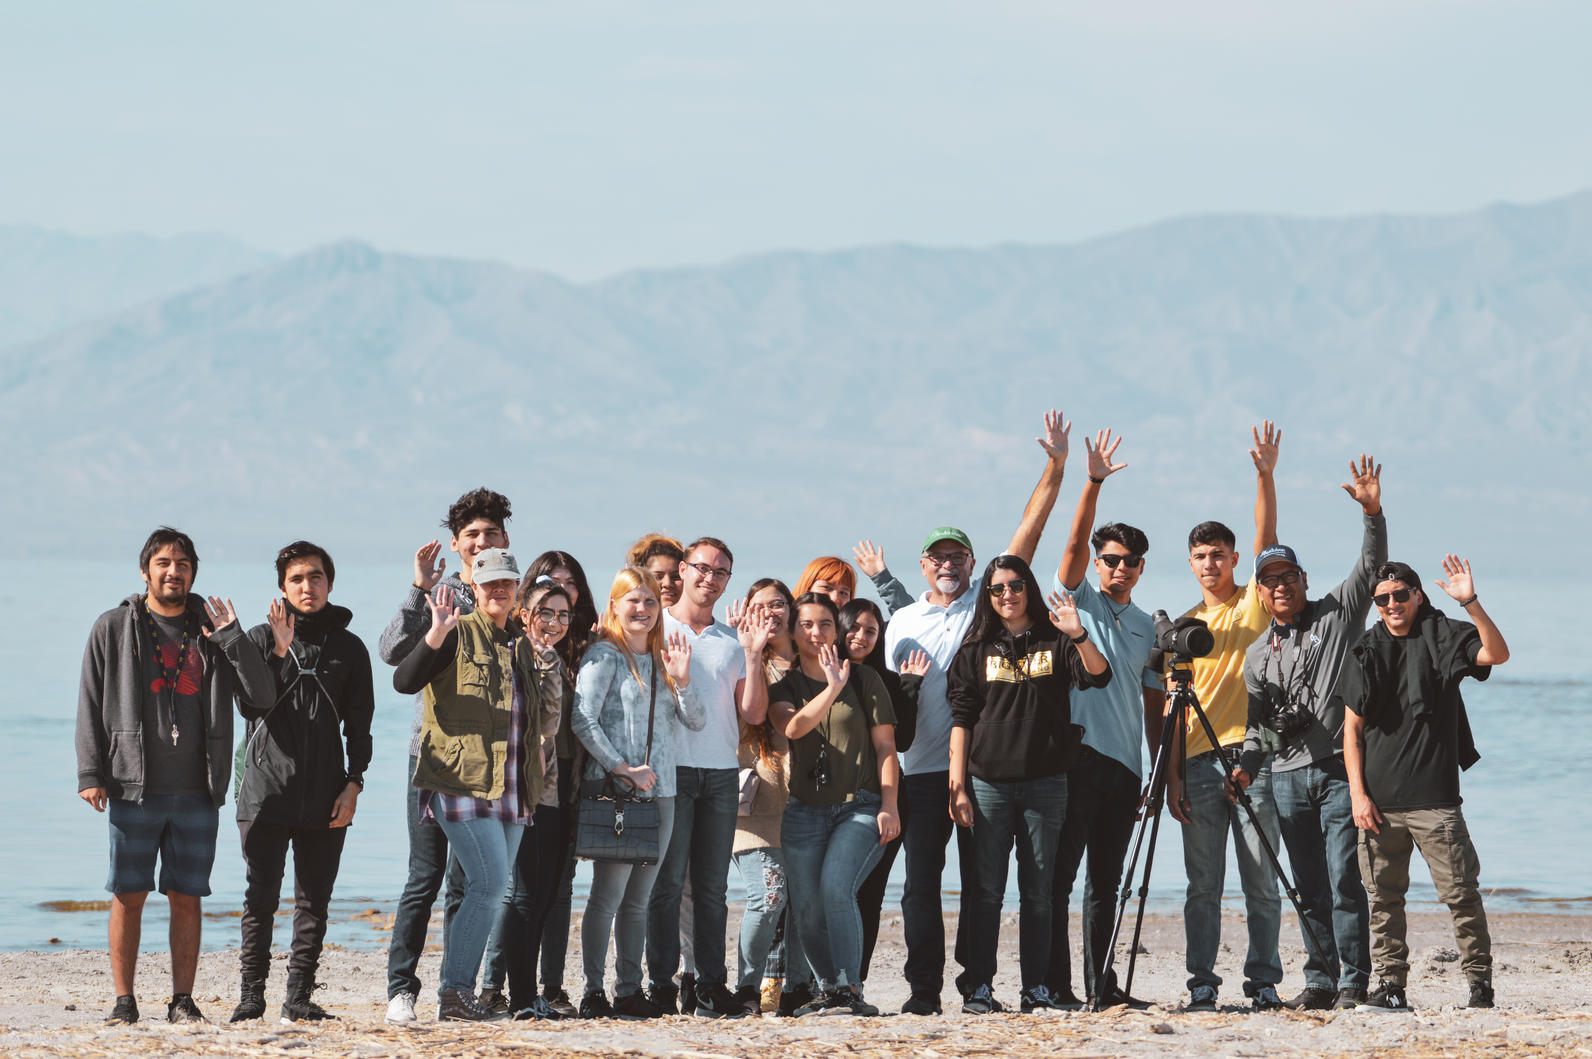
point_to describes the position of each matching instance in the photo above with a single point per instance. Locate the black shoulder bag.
(616, 823)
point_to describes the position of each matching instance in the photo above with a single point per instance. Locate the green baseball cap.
(947, 533)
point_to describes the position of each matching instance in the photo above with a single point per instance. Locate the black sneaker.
(665, 997)
(922, 1002)
(1312, 999)
(636, 1006)
(981, 1001)
(251, 1001)
(793, 999)
(852, 1003)
(1037, 998)
(688, 994)
(596, 1006)
(750, 998)
(183, 1009)
(716, 1002)
(125, 1011)
(539, 1010)
(493, 1000)
(299, 1007)
(1349, 998)
(1481, 993)
(558, 1000)
(1387, 996)
(461, 1005)
(1201, 998)
(1265, 998)
(827, 1002)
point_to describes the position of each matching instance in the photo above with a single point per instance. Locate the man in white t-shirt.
(727, 667)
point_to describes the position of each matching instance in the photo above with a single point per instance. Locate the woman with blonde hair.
(631, 697)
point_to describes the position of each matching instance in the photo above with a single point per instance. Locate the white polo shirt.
(937, 631)
(718, 663)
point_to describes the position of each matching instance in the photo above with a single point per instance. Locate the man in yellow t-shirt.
(1197, 798)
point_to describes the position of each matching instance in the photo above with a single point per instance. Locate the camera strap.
(1300, 635)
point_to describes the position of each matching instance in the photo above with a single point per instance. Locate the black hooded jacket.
(293, 764)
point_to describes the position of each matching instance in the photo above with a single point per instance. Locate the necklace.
(171, 675)
(1116, 615)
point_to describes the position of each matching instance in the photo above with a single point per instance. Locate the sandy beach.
(53, 1004)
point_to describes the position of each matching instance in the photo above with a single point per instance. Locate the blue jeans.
(428, 861)
(926, 816)
(703, 838)
(1205, 858)
(829, 850)
(1102, 808)
(1031, 812)
(485, 850)
(618, 905)
(1317, 819)
(761, 953)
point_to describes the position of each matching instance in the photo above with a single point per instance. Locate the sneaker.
(540, 1010)
(922, 1002)
(855, 1005)
(1265, 998)
(665, 996)
(1201, 998)
(298, 1007)
(794, 999)
(494, 1000)
(1387, 996)
(1112, 998)
(558, 1000)
(981, 1001)
(401, 1009)
(827, 1002)
(1481, 993)
(1038, 998)
(716, 1002)
(688, 994)
(183, 1009)
(1349, 998)
(636, 1006)
(750, 998)
(124, 1012)
(461, 1005)
(1312, 999)
(596, 1006)
(251, 1001)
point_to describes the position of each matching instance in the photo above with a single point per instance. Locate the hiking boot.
(558, 1000)
(750, 998)
(1265, 998)
(688, 994)
(401, 1009)
(1349, 998)
(981, 1001)
(1201, 998)
(793, 999)
(124, 1012)
(636, 1006)
(494, 1000)
(251, 1001)
(716, 1002)
(596, 1006)
(768, 996)
(183, 1009)
(1387, 996)
(1481, 993)
(665, 996)
(1038, 998)
(461, 1005)
(1312, 999)
(299, 1007)
(922, 1002)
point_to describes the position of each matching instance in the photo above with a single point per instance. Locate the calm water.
(1519, 800)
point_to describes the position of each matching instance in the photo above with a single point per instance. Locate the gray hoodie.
(111, 699)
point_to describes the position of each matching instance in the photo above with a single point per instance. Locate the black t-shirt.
(179, 768)
(1412, 744)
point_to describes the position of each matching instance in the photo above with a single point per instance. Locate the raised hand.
(281, 621)
(1100, 452)
(1054, 439)
(428, 566)
(915, 664)
(836, 670)
(869, 559)
(677, 660)
(756, 629)
(1265, 451)
(1365, 484)
(1459, 585)
(444, 617)
(221, 614)
(1064, 615)
(737, 614)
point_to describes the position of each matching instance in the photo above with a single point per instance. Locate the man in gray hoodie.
(154, 748)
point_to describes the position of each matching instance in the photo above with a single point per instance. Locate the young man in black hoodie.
(298, 786)
(154, 748)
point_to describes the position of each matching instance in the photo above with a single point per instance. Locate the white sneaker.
(401, 1009)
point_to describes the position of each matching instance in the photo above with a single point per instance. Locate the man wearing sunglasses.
(1290, 674)
(1405, 740)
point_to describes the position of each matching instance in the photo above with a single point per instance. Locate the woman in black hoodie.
(1011, 745)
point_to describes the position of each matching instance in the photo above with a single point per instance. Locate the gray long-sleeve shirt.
(409, 626)
(1306, 658)
(610, 716)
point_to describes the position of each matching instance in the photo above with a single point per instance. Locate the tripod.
(1183, 699)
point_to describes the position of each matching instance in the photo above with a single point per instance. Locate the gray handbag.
(615, 822)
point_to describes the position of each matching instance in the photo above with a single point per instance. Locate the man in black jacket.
(297, 787)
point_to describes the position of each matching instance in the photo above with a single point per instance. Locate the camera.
(819, 773)
(1187, 637)
(1288, 719)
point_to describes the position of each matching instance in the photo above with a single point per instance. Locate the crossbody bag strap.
(652, 710)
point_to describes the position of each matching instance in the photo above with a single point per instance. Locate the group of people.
(808, 738)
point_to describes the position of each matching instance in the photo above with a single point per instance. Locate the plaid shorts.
(181, 828)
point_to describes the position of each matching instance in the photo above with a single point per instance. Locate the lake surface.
(1521, 801)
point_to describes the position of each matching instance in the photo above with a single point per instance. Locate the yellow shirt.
(1219, 676)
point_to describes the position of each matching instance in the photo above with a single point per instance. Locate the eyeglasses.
(712, 573)
(1007, 588)
(1278, 580)
(1398, 595)
(1131, 561)
(548, 616)
(947, 558)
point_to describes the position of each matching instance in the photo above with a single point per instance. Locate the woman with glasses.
(1012, 742)
(844, 778)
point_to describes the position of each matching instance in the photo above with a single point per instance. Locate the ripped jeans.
(765, 951)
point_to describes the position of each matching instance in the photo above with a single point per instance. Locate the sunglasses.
(1005, 588)
(1400, 595)
(1132, 561)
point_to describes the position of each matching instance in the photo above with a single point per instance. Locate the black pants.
(1102, 806)
(317, 851)
(870, 897)
(538, 870)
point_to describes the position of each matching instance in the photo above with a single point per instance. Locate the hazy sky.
(590, 137)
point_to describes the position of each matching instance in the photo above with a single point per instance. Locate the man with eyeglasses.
(936, 625)
(1405, 740)
(1294, 718)
(727, 664)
